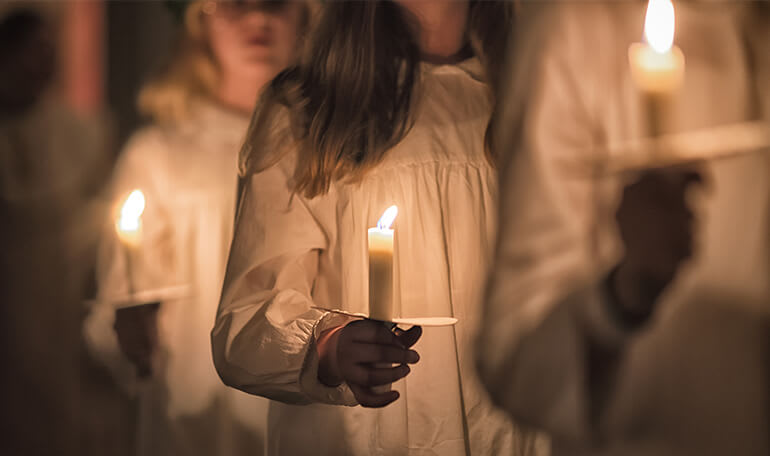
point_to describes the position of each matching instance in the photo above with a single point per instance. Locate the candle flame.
(388, 217)
(130, 220)
(659, 25)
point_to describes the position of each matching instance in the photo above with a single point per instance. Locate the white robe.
(188, 174)
(695, 381)
(291, 253)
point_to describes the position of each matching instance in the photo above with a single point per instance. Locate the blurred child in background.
(185, 165)
(628, 312)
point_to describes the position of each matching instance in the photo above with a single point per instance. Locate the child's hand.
(656, 224)
(349, 354)
(137, 330)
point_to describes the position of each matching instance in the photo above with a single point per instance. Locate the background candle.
(381, 267)
(657, 66)
(129, 230)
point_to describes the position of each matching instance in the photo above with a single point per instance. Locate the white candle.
(381, 267)
(657, 66)
(129, 230)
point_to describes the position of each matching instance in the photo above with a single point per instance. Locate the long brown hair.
(350, 99)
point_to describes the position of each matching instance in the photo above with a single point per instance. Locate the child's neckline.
(464, 54)
(470, 66)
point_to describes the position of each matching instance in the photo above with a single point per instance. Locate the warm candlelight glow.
(129, 224)
(388, 217)
(659, 25)
(657, 66)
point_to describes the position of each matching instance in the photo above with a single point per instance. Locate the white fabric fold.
(291, 253)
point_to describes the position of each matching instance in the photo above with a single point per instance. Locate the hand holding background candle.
(653, 215)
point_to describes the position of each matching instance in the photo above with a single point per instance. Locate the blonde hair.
(192, 73)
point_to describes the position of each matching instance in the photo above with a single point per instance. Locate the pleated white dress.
(291, 253)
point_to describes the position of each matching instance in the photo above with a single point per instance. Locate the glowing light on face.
(659, 25)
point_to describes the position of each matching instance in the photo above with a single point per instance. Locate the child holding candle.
(627, 313)
(389, 106)
(171, 275)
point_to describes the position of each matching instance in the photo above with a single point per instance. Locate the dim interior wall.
(140, 35)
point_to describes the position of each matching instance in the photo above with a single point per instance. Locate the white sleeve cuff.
(311, 386)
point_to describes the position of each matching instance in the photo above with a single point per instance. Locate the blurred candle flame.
(129, 224)
(659, 25)
(387, 219)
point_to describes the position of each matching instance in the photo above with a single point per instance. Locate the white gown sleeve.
(264, 337)
(544, 307)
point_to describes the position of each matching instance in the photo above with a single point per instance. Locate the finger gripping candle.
(381, 267)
